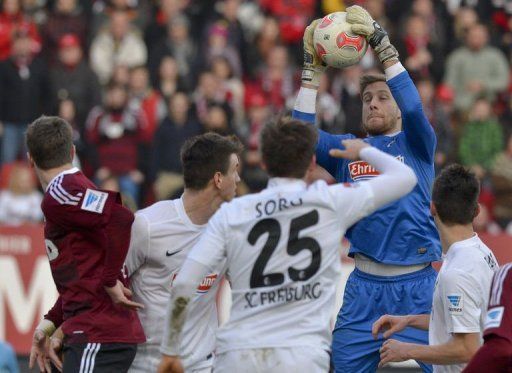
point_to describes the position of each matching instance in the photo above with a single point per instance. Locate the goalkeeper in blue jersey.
(393, 247)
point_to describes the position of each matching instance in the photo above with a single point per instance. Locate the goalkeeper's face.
(381, 115)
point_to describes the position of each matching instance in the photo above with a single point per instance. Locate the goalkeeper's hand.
(313, 67)
(363, 24)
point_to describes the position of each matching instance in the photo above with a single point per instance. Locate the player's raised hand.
(119, 295)
(363, 24)
(389, 325)
(393, 351)
(313, 67)
(170, 364)
(38, 352)
(352, 149)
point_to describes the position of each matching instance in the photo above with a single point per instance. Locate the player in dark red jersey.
(496, 353)
(87, 234)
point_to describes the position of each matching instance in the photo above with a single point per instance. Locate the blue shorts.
(368, 297)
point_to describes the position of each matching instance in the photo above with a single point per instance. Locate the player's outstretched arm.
(415, 124)
(395, 180)
(458, 350)
(390, 324)
(40, 340)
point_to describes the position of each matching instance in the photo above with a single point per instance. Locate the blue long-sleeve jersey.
(402, 232)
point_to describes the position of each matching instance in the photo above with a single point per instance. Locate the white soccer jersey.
(461, 294)
(162, 236)
(282, 249)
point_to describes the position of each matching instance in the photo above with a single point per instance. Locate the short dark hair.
(367, 79)
(287, 147)
(49, 142)
(204, 155)
(455, 195)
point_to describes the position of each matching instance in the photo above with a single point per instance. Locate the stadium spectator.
(23, 94)
(209, 91)
(72, 78)
(476, 69)
(217, 46)
(66, 18)
(233, 86)
(67, 111)
(258, 114)
(12, 21)
(501, 174)
(169, 80)
(217, 120)
(118, 137)
(328, 108)
(20, 202)
(421, 57)
(440, 120)
(345, 88)
(481, 139)
(165, 13)
(178, 44)
(276, 78)
(119, 44)
(266, 39)
(176, 128)
(144, 97)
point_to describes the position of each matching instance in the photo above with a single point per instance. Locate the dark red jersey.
(499, 314)
(76, 218)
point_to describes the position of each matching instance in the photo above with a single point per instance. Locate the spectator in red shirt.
(87, 234)
(144, 97)
(13, 20)
(118, 136)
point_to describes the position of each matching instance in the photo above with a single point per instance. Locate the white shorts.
(273, 360)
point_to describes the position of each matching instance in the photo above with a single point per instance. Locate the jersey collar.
(286, 183)
(72, 170)
(456, 246)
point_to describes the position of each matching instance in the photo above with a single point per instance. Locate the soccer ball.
(335, 43)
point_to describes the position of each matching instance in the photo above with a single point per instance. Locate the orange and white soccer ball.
(335, 43)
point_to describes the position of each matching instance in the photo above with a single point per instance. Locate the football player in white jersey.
(462, 288)
(162, 236)
(281, 248)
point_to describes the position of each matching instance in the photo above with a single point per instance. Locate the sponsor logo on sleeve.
(204, 286)
(493, 318)
(455, 304)
(94, 201)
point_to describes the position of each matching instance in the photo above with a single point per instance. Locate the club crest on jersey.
(361, 170)
(455, 304)
(493, 318)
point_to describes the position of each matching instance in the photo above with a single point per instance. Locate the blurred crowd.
(136, 78)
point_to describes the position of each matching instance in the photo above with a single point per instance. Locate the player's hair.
(204, 155)
(455, 195)
(367, 79)
(49, 142)
(287, 147)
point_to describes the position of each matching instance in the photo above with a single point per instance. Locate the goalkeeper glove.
(313, 67)
(363, 24)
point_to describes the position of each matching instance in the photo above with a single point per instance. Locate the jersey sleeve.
(78, 208)
(210, 250)
(415, 125)
(498, 321)
(352, 201)
(138, 250)
(461, 301)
